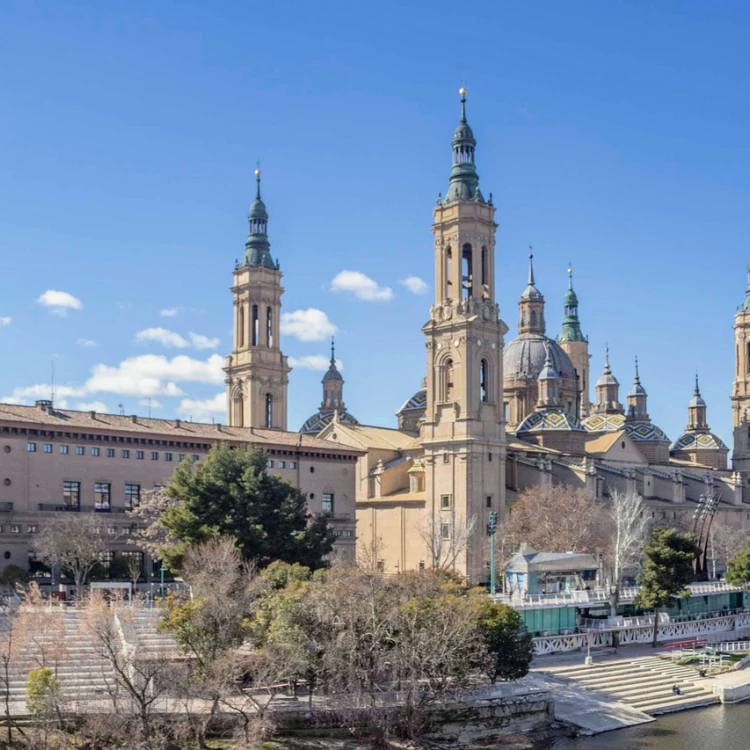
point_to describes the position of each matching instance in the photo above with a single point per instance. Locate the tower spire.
(257, 180)
(257, 246)
(464, 183)
(531, 266)
(333, 351)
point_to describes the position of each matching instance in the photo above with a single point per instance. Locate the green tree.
(13, 574)
(510, 647)
(231, 494)
(42, 692)
(668, 559)
(738, 568)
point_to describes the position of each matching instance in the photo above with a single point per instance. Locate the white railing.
(670, 631)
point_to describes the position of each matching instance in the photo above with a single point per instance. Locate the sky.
(613, 136)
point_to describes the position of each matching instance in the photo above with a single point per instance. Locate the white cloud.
(202, 410)
(307, 325)
(155, 375)
(5, 321)
(313, 362)
(86, 343)
(203, 342)
(152, 403)
(414, 284)
(92, 406)
(161, 336)
(42, 391)
(59, 303)
(170, 312)
(361, 286)
(14, 400)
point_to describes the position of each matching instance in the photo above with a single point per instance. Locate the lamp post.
(161, 578)
(491, 529)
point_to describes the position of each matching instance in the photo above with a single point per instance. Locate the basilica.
(492, 416)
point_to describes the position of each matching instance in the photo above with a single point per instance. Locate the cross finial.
(637, 376)
(697, 389)
(333, 351)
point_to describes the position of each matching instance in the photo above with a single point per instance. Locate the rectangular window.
(154, 455)
(64, 450)
(105, 560)
(132, 495)
(506, 411)
(326, 504)
(445, 531)
(125, 453)
(489, 501)
(167, 456)
(110, 452)
(139, 454)
(180, 456)
(445, 501)
(282, 464)
(47, 448)
(32, 529)
(102, 492)
(31, 447)
(446, 458)
(72, 494)
(133, 563)
(292, 464)
(269, 463)
(80, 450)
(14, 528)
(196, 457)
(94, 451)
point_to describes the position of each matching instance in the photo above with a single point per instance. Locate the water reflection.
(721, 727)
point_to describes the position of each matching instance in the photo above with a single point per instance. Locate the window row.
(281, 464)
(80, 450)
(100, 438)
(255, 332)
(102, 495)
(17, 528)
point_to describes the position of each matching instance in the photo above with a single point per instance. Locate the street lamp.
(491, 529)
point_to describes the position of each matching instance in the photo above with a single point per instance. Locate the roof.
(169, 429)
(604, 423)
(369, 436)
(550, 419)
(551, 561)
(323, 418)
(645, 432)
(514, 444)
(692, 441)
(417, 402)
(604, 442)
(526, 354)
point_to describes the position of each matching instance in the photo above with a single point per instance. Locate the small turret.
(464, 183)
(531, 305)
(607, 391)
(637, 397)
(257, 247)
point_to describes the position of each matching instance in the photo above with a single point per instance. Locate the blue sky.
(612, 135)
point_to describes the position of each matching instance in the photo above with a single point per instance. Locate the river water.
(719, 727)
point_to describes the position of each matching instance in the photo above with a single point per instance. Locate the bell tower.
(463, 433)
(257, 371)
(741, 386)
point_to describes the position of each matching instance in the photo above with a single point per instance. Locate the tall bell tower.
(257, 371)
(741, 386)
(463, 432)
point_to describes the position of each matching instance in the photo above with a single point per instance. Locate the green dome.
(257, 247)
(258, 210)
(464, 183)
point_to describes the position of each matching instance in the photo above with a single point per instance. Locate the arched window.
(448, 271)
(269, 327)
(448, 390)
(269, 410)
(254, 329)
(485, 274)
(238, 411)
(484, 381)
(466, 271)
(241, 327)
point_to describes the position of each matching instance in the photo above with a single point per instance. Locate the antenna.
(122, 409)
(52, 384)
(149, 407)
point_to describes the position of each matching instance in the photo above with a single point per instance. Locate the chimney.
(218, 427)
(93, 414)
(44, 405)
(177, 424)
(134, 418)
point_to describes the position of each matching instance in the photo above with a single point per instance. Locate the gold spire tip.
(462, 91)
(257, 172)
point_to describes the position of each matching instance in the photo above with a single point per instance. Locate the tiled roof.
(369, 436)
(171, 429)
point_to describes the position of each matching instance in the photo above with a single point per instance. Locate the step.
(680, 704)
(641, 677)
(666, 695)
(636, 692)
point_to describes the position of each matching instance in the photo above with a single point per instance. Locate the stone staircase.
(67, 651)
(645, 683)
(141, 631)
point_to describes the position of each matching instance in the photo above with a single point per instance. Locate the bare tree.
(630, 524)
(558, 519)
(446, 538)
(74, 542)
(152, 535)
(12, 642)
(134, 569)
(725, 541)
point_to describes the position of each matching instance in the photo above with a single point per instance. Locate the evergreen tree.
(231, 494)
(668, 559)
(738, 568)
(510, 647)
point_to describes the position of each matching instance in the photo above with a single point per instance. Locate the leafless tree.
(139, 685)
(74, 542)
(630, 524)
(558, 519)
(151, 535)
(134, 569)
(725, 541)
(12, 642)
(446, 538)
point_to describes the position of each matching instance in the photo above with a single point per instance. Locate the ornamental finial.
(257, 179)
(462, 92)
(570, 276)
(531, 266)
(333, 351)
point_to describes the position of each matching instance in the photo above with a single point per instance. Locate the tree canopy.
(738, 568)
(510, 647)
(231, 494)
(668, 559)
